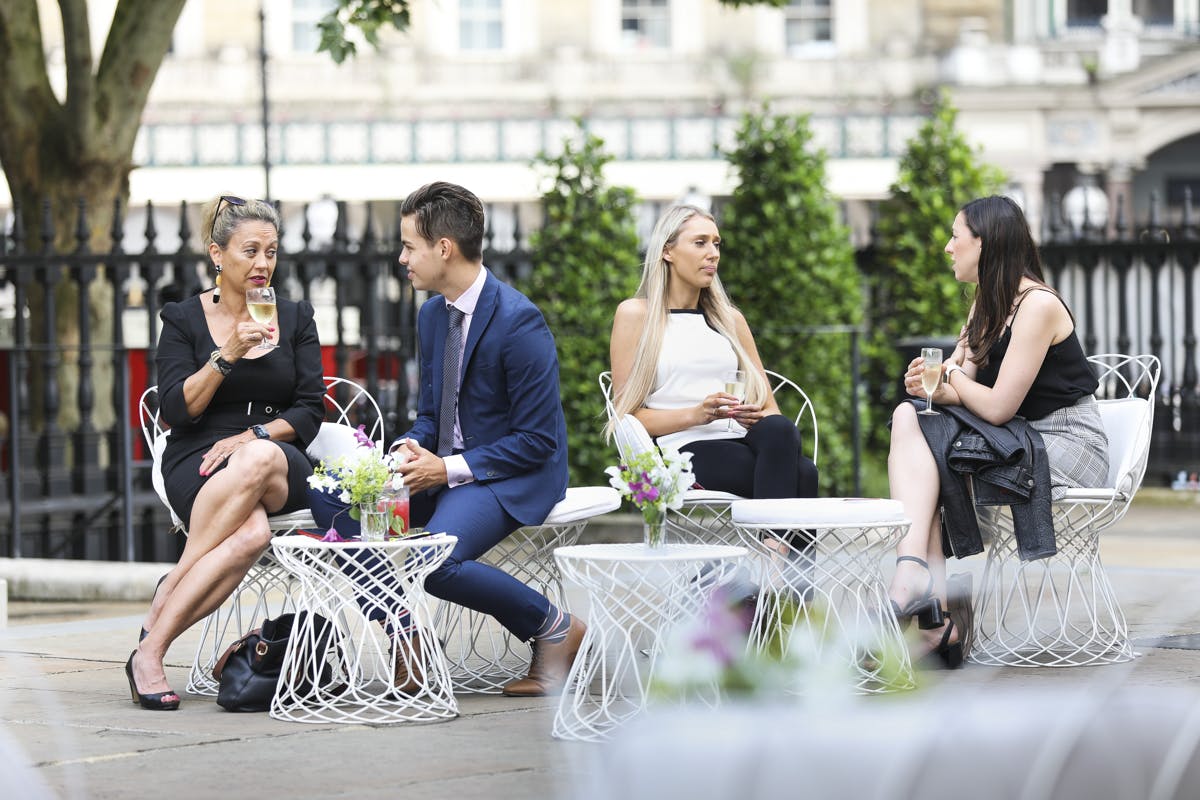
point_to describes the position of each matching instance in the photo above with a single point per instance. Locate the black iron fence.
(75, 470)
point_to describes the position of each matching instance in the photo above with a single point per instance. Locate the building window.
(305, 16)
(481, 24)
(645, 24)
(1155, 12)
(807, 22)
(1085, 13)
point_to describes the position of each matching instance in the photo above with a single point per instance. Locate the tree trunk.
(62, 151)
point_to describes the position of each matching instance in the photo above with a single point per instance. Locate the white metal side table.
(634, 594)
(343, 672)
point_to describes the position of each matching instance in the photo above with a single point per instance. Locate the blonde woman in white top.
(672, 344)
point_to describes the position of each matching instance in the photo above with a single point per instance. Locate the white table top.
(309, 543)
(634, 552)
(817, 512)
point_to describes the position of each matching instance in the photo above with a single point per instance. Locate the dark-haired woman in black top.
(240, 417)
(1006, 364)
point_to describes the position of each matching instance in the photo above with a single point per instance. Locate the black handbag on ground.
(248, 671)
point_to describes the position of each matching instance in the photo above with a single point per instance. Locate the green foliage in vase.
(912, 292)
(788, 264)
(585, 262)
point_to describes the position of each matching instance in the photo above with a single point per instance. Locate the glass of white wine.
(931, 376)
(260, 302)
(735, 384)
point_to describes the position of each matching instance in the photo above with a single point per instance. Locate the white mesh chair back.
(155, 433)
(794, 402)
(1128, 391)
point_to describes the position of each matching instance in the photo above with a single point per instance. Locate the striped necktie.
(451, 365)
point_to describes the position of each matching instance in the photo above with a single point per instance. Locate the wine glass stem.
(928, 401)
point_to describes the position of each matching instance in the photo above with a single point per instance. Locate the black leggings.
(766, 463)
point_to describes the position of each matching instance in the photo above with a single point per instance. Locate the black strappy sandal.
(945, 655)
(926, 608)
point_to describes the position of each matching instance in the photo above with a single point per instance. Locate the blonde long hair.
(715, 304)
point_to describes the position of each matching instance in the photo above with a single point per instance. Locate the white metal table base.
(635, 594)
(347, 677)
(833, 593)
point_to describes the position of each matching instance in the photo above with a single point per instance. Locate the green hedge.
(585, 262)
(789, 266)
(912, 290)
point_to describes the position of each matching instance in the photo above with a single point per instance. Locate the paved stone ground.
(66, 721)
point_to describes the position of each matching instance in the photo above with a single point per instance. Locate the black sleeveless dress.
(282, 384)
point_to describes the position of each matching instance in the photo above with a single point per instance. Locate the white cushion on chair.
(795, 512)
(584, 502)
(632, 438)
(1124, 424)
(332, 440)
(703, 496)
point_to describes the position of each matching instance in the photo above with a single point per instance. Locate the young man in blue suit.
(490, 457)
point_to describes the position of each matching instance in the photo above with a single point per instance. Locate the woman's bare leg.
(914, 481)
(218, 562)
(256, 475)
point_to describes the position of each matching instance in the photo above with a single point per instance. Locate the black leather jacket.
(1009, 467)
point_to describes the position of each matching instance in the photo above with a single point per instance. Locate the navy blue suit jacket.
(514, 432)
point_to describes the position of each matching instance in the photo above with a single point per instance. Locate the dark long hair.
(1007, 254)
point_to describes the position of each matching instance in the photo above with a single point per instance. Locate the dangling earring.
(217, 290)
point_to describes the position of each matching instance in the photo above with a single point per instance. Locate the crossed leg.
(228, 532)
(913, 480)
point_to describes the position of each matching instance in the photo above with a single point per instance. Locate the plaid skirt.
(1076, 446)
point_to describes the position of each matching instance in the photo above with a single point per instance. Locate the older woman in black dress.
(241, 417)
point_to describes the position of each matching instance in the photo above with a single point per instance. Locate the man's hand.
(424, 468)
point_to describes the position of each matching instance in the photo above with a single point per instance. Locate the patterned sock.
(554, 629)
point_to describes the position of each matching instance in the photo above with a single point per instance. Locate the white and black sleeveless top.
(691, 366)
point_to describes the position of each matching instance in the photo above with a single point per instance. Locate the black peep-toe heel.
(159, 701)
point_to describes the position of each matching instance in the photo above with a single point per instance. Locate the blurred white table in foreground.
(820, 556)
(335, 578)
(634, 594)
(1095, 742)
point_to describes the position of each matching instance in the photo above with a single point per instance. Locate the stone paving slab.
(65, 707)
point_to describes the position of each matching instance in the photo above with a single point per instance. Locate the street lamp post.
(266, 107)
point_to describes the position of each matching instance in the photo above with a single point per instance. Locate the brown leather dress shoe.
(409, 674)
(549, 666)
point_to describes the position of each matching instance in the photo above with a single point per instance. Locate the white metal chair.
(268, 587)
(1061, 611)
(705, 517)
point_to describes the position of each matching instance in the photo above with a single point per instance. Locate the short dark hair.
(447, 210)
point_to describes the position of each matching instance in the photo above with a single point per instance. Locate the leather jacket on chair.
(1008, 466)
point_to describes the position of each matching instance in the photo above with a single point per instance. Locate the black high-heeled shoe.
(159, 701)
(926, 608)
(945, 655)
(144, 633)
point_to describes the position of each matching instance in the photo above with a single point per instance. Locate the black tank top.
(1064, 377)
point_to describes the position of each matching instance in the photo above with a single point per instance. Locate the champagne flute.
(735, 384)
(931, 376)
(260, 302)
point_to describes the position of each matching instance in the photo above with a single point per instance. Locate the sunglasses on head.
(225, 198)
(231, 200)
